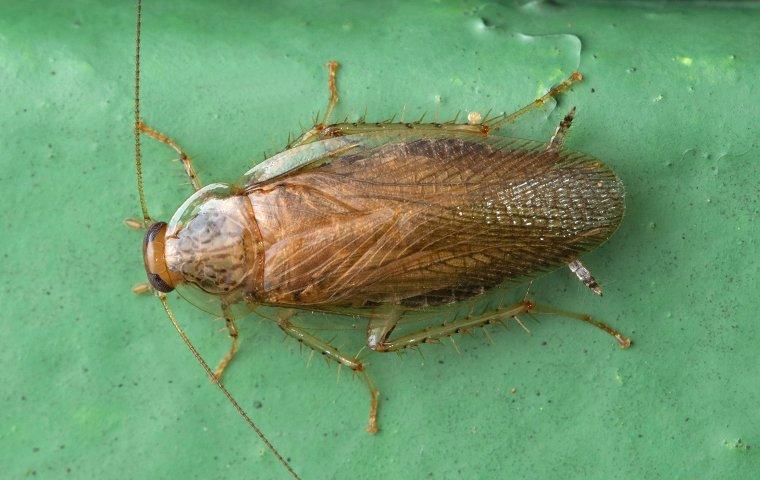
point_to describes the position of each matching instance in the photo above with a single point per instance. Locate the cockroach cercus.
(378, 221)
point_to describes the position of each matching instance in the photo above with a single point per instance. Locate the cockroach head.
(154, 246)
(208, 247)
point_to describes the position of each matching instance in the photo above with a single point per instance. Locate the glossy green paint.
(96, 383)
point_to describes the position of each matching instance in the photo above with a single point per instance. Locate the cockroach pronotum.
(379, 221)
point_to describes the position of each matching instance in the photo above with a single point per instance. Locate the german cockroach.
(379, 221)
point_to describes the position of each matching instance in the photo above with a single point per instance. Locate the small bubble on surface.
(687, 61)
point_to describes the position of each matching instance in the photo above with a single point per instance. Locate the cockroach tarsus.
(377, 220)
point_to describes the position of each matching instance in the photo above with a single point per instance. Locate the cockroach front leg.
(319, 345)
(187, 163)
(233, 332)
(499, 316)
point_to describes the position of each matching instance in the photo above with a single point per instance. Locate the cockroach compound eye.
(378, 221)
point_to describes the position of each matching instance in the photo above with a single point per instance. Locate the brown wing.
(430, 220)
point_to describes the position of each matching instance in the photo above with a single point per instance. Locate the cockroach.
(376, 221)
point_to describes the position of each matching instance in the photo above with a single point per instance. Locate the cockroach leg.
(558, 139)
(475, 126)
(501, 120)
(322, 132)
(187, 163)
(322, 346)
(316, 132)
(380, 326)
(585, 276)
(233, 331)
(499, 316)
(311, 135)
(522, 325)
(434, 334)
(325, 130)
(374, 395)
(622, 340)
(332, 68)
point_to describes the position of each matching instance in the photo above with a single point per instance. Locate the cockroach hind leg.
(186, 161)
(436, 333)
(499, 121)
(494, 317)
(558, 139)
(622, 340)
(233, 333)
(331, 353)
(585, 276)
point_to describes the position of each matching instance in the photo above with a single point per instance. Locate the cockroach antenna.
(138, 150)
(161, 296)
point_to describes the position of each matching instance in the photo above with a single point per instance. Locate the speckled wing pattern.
(432, 220)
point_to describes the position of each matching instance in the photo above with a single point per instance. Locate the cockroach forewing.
(427, 217)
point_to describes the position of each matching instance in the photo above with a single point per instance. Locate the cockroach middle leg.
(187, 163)
(315, 132)
(558, 139)
(380, 327)
(233, 332)
(332, 71)
(322, 346)
(585, 276)
(324, 129)
(499, 121)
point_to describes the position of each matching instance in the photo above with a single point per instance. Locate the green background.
(95, 383)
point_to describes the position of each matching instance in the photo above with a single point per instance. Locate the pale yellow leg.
(233, 332)
(187, 163)
(319, 345)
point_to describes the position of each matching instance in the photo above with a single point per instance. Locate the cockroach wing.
(299, 158)
(424, 219)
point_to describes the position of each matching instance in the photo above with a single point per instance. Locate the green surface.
(95, 383)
